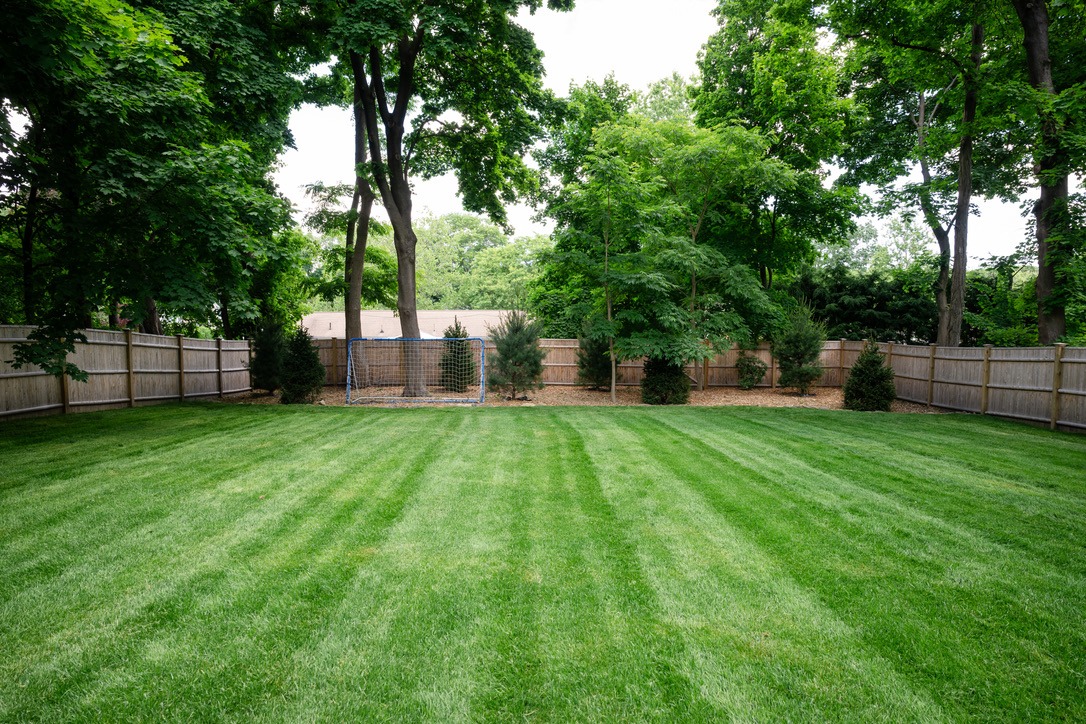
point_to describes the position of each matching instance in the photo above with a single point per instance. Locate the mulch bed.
(825, 398)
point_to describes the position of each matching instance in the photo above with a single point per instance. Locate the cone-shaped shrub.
(303, 372)
(664, 383)
(518, 360)
(593, 363)
(458, 368)
(269, 346)
(870, 384)
(797, 348)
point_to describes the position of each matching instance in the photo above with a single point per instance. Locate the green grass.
(213, 562)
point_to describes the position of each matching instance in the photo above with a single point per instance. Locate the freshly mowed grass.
(215, 562)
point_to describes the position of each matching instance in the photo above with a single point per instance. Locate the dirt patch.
(824, 398)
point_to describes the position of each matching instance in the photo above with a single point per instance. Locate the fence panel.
(911, 365)
(1072, 410)
(1020, 383)
(28, 389)
(959, 372)
(123, 369)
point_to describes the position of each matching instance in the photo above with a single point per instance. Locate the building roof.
(385, 322)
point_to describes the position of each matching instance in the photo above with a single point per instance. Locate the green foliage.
(664, 383)
(465, 262)
(459, 370)
(1001, 304)
(751, 370)
(303, 373)
(896, 305)
(593, 362)
(269, 351)
(870, 383)
(797, 347)
(518, 359)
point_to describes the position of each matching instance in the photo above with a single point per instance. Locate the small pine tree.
(269, 346)
(797, 348)
(458, 368)
(664, 383)
(518, 363)
(751, 370)
(593, 363)
(303, 372)
(870, 383)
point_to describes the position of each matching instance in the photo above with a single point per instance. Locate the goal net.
(416, 370)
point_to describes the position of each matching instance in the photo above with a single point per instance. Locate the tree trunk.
(224, 315)
(1051, 319)
(358, 225)
(151, 323)
(940, 232)
(965, 191)
(30, 295)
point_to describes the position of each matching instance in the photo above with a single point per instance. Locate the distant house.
(385, 323)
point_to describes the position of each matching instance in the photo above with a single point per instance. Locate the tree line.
(138, 138)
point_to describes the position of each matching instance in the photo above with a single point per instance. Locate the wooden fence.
(125, 369)
(560, 364)
(1036, 384)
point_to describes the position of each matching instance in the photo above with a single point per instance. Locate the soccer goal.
(416, 370)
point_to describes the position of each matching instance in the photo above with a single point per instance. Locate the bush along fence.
(1036, 384)
(124, 369)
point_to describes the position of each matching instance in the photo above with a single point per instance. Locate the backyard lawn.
(557, 564)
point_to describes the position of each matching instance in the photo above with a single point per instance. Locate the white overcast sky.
(640, 41)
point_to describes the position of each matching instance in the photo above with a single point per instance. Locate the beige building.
(385, 322)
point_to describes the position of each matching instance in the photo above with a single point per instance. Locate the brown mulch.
(825, 398)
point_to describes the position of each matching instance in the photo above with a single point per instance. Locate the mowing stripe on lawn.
(879, 548)
(758, 641)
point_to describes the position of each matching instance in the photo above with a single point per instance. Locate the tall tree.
(1057, 72)
(765, 69)
(471, 77)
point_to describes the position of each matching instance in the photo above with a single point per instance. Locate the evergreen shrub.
(518, 360)
(303, 372)
(870, 383)
(458, 368)
(664, 383)
(593, 363)
(798, 347)
(269, 346)
(751, 371)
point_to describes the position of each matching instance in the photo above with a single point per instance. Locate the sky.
(640, 41)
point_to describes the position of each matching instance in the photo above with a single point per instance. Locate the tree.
(132, 189)
(458, 367)
(929, 98)
(303, 372)
(472, 77)
(518, 362)
(1054, 43)
(797, 347)
(764, 70)
(269, 349)
(870, 383)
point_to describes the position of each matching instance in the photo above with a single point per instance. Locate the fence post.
(1057, 382)
(335, 360)
(985, 379)
(772, 370)
(181, 367)
(130, 357)
(218, 361)
(890, 363)
(65, 400)
(840, 363)
(249, 366)
(931, 375)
